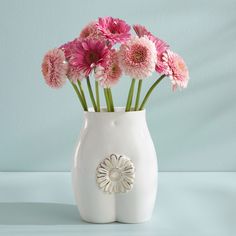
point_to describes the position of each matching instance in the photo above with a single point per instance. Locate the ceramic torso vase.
(115, 168)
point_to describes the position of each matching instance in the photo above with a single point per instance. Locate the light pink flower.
(91, 31)
(138, 57)
(54, 68)
(87, 54)
(74, 74)
(113, 29)
(177, 69)
(111, 73)
(160, 45)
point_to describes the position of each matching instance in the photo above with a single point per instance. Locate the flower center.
(113, 28)
(86, 34)
(113, 69)
(92, 57)
(181, 65)
(113, 31)
(115, 174)
(45, 69)
(138, 54)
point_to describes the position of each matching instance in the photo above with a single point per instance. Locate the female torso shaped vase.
(115, 168)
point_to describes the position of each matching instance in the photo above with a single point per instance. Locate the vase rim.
(117, 110)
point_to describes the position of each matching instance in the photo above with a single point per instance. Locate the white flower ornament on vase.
(115, 174)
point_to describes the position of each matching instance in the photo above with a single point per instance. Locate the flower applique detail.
(115, 174)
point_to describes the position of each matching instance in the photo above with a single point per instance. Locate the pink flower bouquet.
(105, 49)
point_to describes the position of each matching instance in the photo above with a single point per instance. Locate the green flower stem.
(91, 94)
(150, 91)
(130, 96)
(97, 95)
(138, 94)
(107, 99)
(110, 99)
(82, 94)
(79, 96)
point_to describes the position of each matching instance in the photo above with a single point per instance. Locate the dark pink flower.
(73, 73)
(87, 54)
(67, 48)
(113, 29)
(141, 30)
(161, 47)
(54, 68)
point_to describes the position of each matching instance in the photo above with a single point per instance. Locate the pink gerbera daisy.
(160, 45)
(90, 31)
(141, 30)
(54, 68)
(87, 54)
(138, 57)
(74, 74)
(177, 69)
(110, 74)
(113, 29)
(67, 48)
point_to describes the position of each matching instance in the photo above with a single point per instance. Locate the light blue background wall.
(193, 130)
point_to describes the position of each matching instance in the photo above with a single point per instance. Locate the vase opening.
(117, 110)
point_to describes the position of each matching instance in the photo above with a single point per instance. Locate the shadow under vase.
(19, 213)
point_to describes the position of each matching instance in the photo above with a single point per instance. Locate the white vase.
(115, 168)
